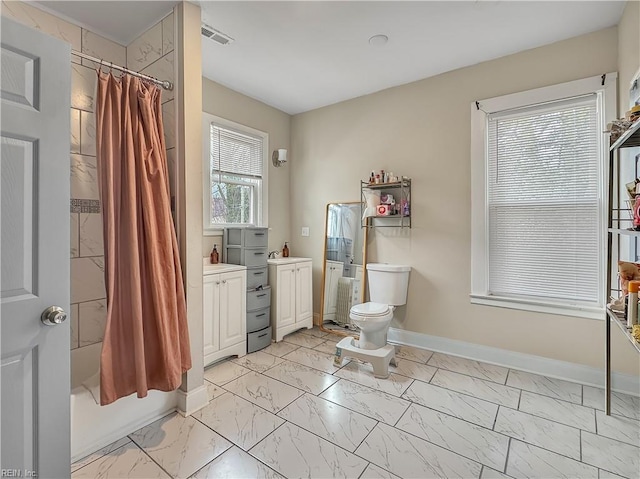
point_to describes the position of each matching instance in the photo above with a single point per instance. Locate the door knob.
(53, 315)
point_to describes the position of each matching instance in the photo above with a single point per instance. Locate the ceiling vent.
(215, 35)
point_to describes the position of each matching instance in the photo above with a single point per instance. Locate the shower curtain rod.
(167, 85)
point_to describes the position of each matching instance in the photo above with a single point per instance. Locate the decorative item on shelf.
(383, 210)
(382, 178)
(617, 304)
(387, 199)
(405, 208)
(632, 188)
(632, 306)
(633, 114)
(372, 200)
(636, 213)
(635, 332)
(628, 271)
(617, 128)
(214, 257)
(285, 250)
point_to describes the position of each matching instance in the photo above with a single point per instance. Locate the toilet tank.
(388, 283)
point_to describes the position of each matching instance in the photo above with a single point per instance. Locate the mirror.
(343, 271)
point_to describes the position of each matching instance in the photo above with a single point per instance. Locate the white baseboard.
(192, 401)
(553, 368)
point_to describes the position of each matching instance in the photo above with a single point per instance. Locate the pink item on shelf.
(636, 213)
(383, 210)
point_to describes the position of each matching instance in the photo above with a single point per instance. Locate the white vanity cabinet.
(292, 295)
(224, 300)
(333, 272)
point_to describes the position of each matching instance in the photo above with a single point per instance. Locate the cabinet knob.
(224, 281)
(217, 282)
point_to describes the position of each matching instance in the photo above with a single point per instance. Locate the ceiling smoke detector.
(215, 35)
(378, 40)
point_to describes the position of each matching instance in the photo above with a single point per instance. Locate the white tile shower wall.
(162, 69)
(152, 53)
(75, 131)
(88, 133)
(102, 48)
(87, 264)
(167, 34)
(93, 316)
(83, 86)
(145, 49)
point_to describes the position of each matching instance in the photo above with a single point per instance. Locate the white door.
(233, 311)
(286, 295)
(304, 294)
(34, 249)
(210, 315)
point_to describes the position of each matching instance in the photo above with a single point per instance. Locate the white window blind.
(235, 190)
(543, 202)
(235, 153)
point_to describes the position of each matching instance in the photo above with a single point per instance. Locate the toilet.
(388, 285)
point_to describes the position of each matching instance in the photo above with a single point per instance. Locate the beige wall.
(628, 51)
(422, 130)
(231, 105)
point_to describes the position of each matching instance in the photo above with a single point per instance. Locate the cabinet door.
(304, 293)
(233, 297)
(210, 314)
(286, 296)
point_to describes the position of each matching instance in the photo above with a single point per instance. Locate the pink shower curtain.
(146, 342)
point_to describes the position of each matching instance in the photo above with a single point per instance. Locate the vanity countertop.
(208, 268)
(288, 260)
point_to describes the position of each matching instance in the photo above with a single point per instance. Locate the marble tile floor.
(287, 411)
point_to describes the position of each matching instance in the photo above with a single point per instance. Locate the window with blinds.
(543, 202)
(236, 162)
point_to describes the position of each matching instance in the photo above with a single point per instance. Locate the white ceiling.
(297, 56)
(120, 21)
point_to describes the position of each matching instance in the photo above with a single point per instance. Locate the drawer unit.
(257, 277)
(257, 320)
(259, 299)
(249, 247)
(258, 340)
(246, 237)
(249, 257)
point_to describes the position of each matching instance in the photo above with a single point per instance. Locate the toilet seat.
(371, 310)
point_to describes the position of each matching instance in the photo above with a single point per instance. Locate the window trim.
(479, 188)
(263, 213)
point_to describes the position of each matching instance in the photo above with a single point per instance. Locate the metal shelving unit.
(387, 221)
(630, 139)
